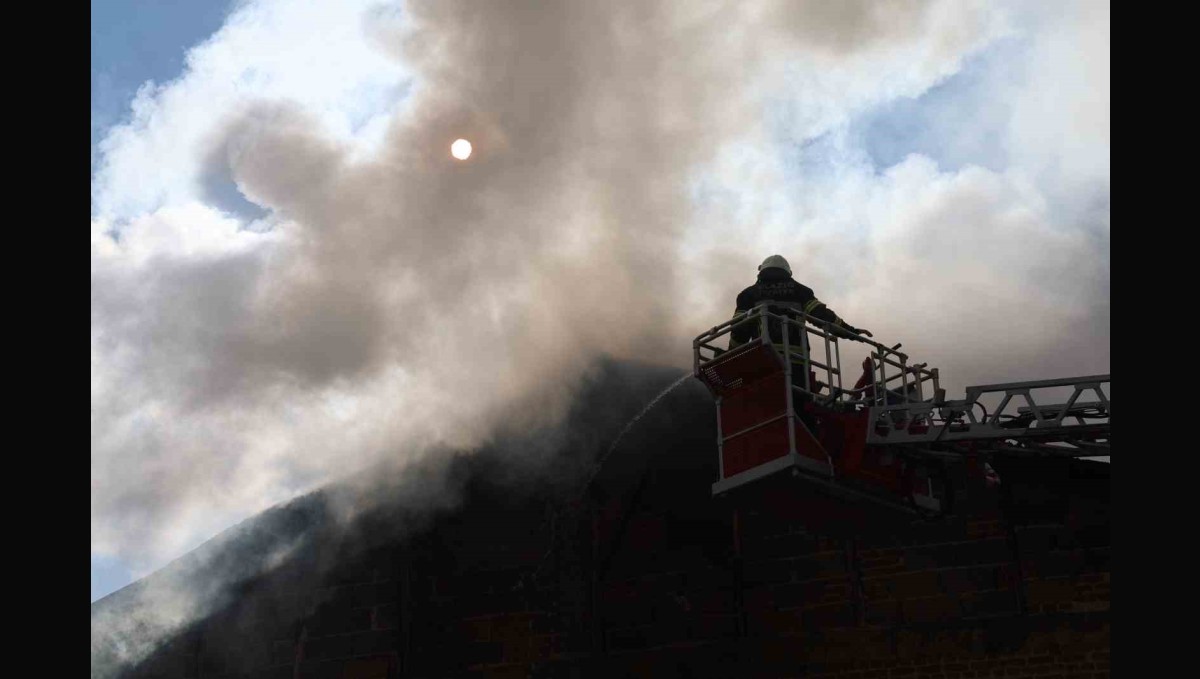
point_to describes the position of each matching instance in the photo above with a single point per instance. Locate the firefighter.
(775, 284)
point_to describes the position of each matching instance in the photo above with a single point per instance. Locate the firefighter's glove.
(863, 331)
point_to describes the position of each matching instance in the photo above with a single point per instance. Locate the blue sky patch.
(108, 575)
(138, 40)
(958, 122)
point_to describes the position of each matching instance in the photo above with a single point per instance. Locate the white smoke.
(633, 162)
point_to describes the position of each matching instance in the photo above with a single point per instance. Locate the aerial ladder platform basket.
(893, 439)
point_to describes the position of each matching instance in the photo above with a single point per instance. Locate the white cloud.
(323, 56)
(1060, 124)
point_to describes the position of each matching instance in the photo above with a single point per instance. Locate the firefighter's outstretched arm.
(817, 309)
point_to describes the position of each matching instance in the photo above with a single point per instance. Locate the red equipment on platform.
(761, 432)
(883, 440)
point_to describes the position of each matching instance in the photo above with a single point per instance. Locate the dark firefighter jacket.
(776, 285)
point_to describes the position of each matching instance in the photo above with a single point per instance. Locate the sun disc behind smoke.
(461, 149)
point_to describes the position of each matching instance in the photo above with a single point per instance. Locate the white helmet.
(775, 262)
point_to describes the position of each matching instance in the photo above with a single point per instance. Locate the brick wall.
(648, 576)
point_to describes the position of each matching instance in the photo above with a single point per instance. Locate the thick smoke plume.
(292, 279)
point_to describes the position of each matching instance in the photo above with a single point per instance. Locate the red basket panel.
(753, 403)
(740, 367)
(755, 448)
